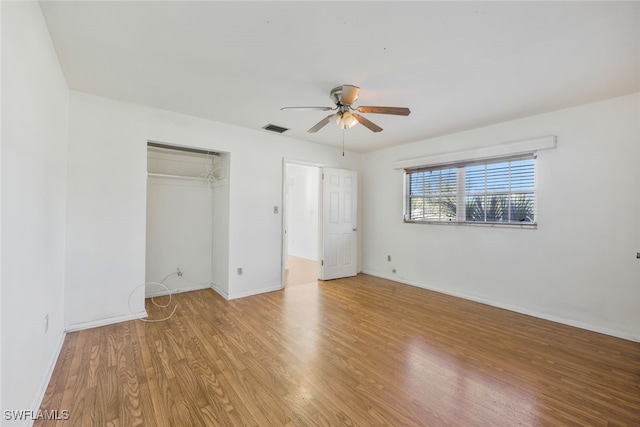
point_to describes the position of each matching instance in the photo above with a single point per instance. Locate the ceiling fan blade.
(322, 123)
(367, 123)
(308, 108)
(398, 111)
(349, 94)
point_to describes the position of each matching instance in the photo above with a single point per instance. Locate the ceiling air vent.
(274, 128)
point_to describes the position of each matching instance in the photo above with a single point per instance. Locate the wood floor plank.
(361, 351)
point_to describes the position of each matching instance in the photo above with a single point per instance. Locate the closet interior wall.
(187, 194)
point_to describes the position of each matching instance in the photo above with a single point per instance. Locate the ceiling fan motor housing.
(336, 94)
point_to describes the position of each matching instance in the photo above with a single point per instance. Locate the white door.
(339, 223)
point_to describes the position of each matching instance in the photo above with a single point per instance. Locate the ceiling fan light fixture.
(348, 120)
(334, 119)
(343, 120)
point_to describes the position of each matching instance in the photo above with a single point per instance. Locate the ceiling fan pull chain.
(342, 142)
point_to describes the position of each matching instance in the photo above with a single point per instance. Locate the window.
(432, 194)
(499, 191)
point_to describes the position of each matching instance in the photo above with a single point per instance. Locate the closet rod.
(175, 147)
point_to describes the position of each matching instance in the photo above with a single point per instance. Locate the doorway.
(301, 224)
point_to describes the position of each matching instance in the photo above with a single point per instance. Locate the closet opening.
(187, 219)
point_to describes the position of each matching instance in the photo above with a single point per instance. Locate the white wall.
(179, 233)
(34, 144)
(220, 276)
(577, 267)
(302, 211)
(106, 209)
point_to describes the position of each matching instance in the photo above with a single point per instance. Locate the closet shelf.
(183, 177)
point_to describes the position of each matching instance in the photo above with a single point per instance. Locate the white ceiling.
(456, 65)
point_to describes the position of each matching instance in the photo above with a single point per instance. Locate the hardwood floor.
(360, 351)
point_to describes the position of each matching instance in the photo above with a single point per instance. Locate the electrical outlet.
(275, 209)
(179, 272)
(46, 323)
(393, 271)
(239, 271)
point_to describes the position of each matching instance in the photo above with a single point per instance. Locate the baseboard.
(226, 295)
(222, 293)
(254, 292)
(163, 292)
(103, 322)
(47, 379)
(545, 316)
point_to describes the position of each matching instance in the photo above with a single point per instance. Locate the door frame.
(283, 234)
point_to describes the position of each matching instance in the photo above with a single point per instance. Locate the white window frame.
(462, 193)
(487, 154)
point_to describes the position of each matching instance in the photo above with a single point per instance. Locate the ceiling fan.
(345, 117)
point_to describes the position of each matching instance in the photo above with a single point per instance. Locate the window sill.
(529, 225)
